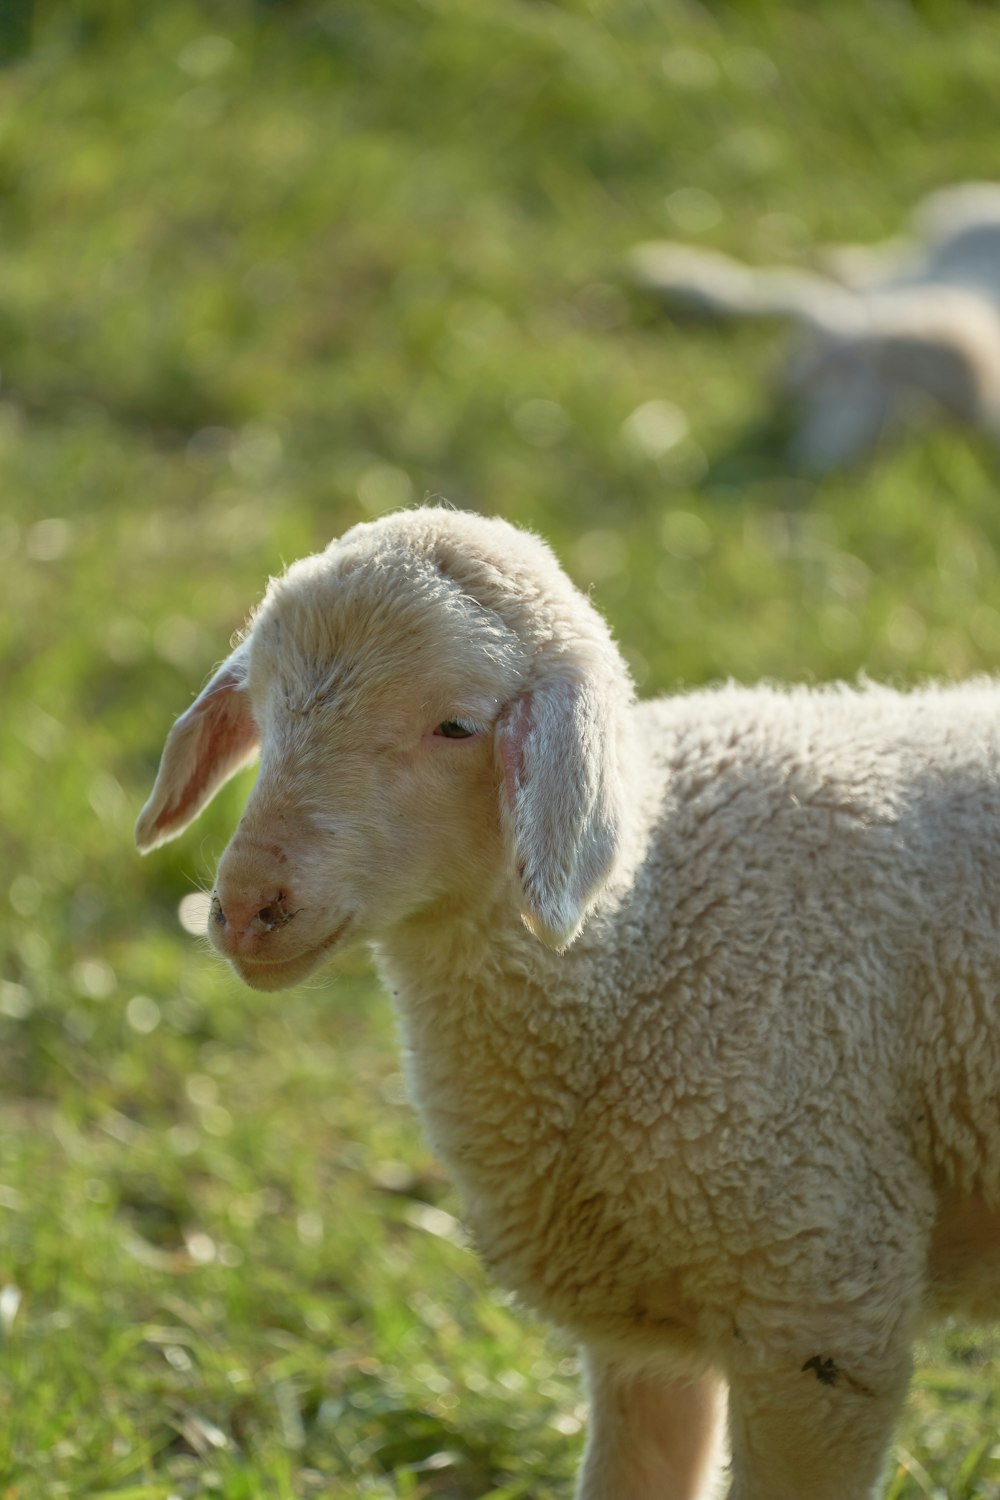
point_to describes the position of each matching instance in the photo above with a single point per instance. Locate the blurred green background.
(265, 270)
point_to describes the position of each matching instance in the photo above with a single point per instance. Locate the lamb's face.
(377, 795)
(437, 714)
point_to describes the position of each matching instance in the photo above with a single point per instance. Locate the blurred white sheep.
(700, 997)
(892, 338)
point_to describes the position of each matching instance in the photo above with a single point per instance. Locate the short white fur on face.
(353, 662)
(699, 998)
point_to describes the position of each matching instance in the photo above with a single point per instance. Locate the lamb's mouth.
(279, 974)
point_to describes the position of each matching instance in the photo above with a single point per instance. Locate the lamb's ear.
(561, 800)
(206, 746)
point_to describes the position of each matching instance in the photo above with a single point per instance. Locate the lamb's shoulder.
(795, 823)
(820, 892)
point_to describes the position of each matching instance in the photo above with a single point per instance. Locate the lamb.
(892, 338)
(700, 997)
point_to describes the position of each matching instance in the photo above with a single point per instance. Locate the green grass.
(265, 270)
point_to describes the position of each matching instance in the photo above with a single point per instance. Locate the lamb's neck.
(443, 963)
(495, 1039)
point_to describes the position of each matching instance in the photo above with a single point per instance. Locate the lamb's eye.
(454, 729)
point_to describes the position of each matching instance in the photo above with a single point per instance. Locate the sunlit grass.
(268, 269)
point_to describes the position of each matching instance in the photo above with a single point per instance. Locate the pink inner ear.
(206, 746)
(513, 732)
(223, 735)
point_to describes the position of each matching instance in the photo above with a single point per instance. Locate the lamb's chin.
(276, 976)
(285, 972)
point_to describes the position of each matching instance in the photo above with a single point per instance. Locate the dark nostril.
(242, 916)
(275, 914)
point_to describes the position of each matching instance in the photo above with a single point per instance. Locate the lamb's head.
(438, 714)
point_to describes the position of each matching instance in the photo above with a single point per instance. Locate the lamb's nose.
(252, 914)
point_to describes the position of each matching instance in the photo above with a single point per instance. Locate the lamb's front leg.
(821, 1431)
(651, 1437)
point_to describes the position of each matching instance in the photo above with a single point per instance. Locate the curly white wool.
(699, 996)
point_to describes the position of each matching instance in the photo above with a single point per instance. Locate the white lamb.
(897, 336)
(699, 996)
